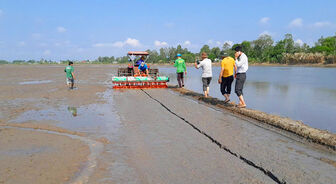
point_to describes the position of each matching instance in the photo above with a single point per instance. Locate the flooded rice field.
(94, 134)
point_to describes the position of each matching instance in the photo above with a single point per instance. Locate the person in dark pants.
(180, 69)
(70, 76)
(242, 67)
(226, 76)
(143, 68)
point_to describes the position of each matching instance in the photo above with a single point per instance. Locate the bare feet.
(241, 106)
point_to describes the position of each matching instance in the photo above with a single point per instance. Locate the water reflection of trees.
(329, 93)
(260, 87)
(263, 87)
(282, 88)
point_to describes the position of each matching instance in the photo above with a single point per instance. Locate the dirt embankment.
(297, 127)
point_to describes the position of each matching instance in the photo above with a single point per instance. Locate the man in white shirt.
(242, 67)
(205, 64)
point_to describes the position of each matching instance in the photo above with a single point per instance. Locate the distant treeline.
(261, 50)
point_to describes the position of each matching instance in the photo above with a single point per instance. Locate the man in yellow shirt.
(226, 76)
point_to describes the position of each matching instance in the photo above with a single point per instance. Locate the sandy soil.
(149, 136)
(28, 156)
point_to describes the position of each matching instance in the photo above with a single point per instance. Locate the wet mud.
(262, 150)
(297, 127)
(27, 156)
(247, 161)
(44, 137)
(98, 135)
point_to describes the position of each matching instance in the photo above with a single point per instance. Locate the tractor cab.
(135, 59)
(132, 77)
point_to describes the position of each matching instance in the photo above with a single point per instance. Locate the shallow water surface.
(35, 82)
(91, 118)
(301, 93)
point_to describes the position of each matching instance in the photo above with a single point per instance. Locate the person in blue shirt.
(143, 68)
(141, 60)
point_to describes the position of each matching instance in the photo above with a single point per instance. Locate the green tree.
(153, 56)
(215, 53)
(189, 57)
(247, 48)
(278, 51)
(18, 61)
(205, 49)
(3, 62)
(302, 49)
(325, 45)
(179, 49)
(172, 54)
(263, 47)
(305, 47)
(31, 61)
(226, 47)
(289, 43)
(234, 46)
(163, 54)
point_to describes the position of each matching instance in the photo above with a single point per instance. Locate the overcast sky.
(83, 29)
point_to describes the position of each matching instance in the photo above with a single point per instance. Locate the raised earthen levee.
(297, 127)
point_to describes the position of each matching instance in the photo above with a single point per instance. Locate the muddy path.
(181, 127)
(100, 135)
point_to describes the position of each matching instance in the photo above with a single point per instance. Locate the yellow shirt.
(228, 65)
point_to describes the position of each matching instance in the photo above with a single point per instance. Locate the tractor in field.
(131, 77)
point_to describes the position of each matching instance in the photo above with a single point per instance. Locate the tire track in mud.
(213, 140)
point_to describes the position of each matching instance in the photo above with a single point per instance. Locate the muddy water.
(143, 142)
(301, 93)
(87, 111)
(99, 122)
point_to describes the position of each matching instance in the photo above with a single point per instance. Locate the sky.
(86, 29)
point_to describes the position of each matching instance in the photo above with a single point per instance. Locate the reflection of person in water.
(73, 111)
